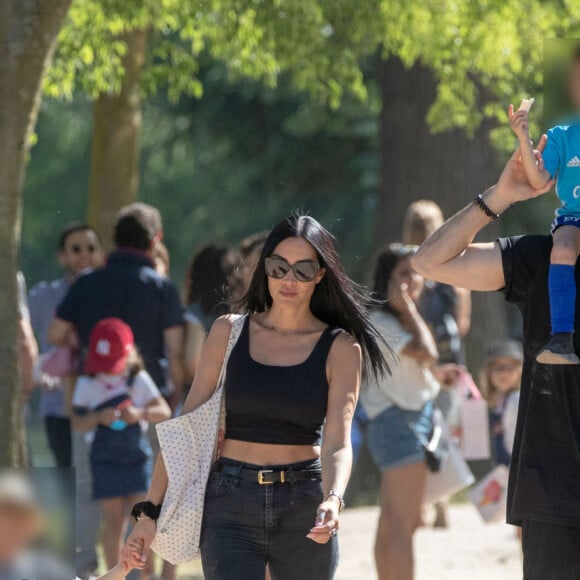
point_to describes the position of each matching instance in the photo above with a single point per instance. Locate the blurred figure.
(251, 250)
(114, 401)
(500, 380)
(27, 356)
(161, 259)
(400, 409)
(22, 525)
(212, 281)
(28, 345)
(447, 311)
(79, 249)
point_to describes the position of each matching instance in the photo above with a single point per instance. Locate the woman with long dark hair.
(400, 409)
(275, 496)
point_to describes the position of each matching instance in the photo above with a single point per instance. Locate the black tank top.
(284, 405)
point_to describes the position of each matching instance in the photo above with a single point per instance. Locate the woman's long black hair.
(385, 264)
(337, 300)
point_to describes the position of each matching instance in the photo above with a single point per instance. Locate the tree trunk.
(449, 168)
(28, 32)
(114, 179)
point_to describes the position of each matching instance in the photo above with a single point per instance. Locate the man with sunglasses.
(79, 250)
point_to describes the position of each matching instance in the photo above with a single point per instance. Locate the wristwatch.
(147, 509)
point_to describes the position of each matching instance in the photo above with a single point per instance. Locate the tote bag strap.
(236, 331)
(237, 326)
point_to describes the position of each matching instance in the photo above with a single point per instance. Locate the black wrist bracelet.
(478, 200)
(147, 509)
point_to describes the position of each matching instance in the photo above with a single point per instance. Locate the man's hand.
(513, 185)
(519, 123)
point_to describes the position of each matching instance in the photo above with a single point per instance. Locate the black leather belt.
(269, 476)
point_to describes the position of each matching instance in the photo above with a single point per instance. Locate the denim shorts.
(247, 525)
(394, 438)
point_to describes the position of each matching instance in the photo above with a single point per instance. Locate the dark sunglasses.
(304, 271)
(76, 249)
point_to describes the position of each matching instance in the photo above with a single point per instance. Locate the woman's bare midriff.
(268, 454)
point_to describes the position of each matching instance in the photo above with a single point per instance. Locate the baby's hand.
(519, 123)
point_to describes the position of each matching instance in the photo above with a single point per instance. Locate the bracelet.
(480, 203)
(341, 504)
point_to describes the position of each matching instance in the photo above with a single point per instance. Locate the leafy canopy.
(483, 53)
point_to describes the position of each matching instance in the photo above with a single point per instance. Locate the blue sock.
(562, 287)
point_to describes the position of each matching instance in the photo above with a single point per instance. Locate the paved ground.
(469, 549)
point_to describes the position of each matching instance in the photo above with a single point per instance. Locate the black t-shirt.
(545, 471)
(127, 288)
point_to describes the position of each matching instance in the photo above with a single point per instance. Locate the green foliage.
(484, 53)
(227, 165)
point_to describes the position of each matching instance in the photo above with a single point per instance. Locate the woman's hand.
(400, 299)
(136, 549)
(327, 522)
(447, 374)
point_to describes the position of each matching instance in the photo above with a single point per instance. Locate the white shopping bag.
(489, 496)
(455, 474)
(474, 420)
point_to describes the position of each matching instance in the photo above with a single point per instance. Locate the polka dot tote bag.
(189, 445)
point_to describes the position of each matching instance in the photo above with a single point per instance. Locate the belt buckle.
(261, 473)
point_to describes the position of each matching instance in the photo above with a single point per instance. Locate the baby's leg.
(562, 288)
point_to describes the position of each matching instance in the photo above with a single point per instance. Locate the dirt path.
(467, 550)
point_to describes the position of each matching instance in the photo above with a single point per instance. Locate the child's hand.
(519, 123)
(131, 415)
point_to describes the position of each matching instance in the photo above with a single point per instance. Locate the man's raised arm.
(451, 257)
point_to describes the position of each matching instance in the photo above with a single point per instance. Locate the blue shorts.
(564, 220)
(394, 438)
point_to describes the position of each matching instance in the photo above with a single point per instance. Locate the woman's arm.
(344, 364)
(463, 310)
(194, 340)
(422, 346)
(204, 384)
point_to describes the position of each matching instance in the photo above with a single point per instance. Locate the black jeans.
(58, 433)
(247, 525)
(551, 551)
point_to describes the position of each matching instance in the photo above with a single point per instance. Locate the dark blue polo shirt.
(127, 288)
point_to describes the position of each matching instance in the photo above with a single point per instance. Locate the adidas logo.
(574, 162)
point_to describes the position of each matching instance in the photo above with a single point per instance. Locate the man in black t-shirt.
(544, 486)
(129, 288)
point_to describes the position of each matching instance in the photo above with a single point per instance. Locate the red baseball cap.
(110, 344)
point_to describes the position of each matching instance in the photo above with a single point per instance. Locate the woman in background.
(213, 280)
(400, 409)
(447, 311)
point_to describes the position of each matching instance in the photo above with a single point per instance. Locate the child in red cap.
(114, 401)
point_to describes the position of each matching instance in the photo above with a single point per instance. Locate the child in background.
(501, 378)
(114, 401)
(561, 159)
